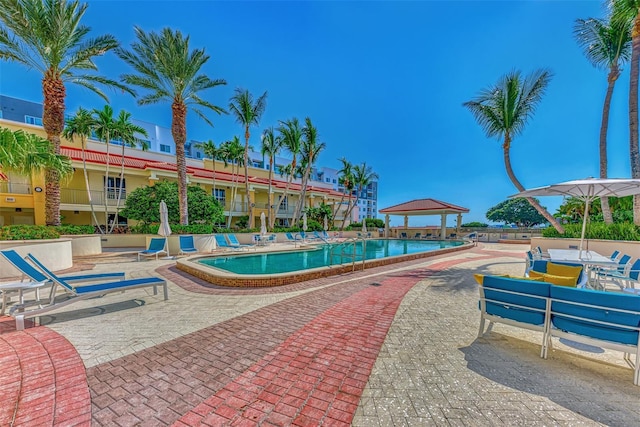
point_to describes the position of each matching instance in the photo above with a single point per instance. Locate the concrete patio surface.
(388, 346)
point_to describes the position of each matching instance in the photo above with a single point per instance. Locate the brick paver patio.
(388, 346)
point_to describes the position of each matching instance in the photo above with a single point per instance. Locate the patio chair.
(187, 246)
(403, 235)
(234, 243)
(156, 247)
(222, 243)
(76, 293)
(625, 279)
(417, 235)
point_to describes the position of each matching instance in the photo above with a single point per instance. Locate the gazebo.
(424, 207)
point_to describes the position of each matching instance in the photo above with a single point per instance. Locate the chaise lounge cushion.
(507, 307)
(561, 309)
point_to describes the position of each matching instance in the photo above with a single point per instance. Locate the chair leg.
(166, 291)
(19, 322)
(481, 330)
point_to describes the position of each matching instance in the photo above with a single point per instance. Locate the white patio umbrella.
(304, 225)
(364, 225)
(326, 223)
(164, 230)
(263, 224)
(587, 190)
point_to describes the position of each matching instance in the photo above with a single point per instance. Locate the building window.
(334, 180)
(327, 180)
(198, 155)
(113, 187)
(284, 205)
(30, 120)
(220, 195)
(165, 148)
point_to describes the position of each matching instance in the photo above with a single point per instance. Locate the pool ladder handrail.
(344, 245)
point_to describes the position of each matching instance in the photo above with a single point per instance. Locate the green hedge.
(76, 229)
(598, 230)
(28, 232)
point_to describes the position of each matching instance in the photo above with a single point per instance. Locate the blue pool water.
(285, 262)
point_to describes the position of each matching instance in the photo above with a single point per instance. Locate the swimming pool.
(322, 256)
(291, 266)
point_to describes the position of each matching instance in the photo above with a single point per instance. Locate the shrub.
(598, 230)
(28, 232)
(475, 224)
(76, 229)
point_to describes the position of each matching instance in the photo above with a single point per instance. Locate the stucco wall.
(55, 254)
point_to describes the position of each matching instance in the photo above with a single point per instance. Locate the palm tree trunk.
(234, 191)
(633, 113)
(113, 224)
(604, 127)
(53, 123)
(179, 132)
(86, 184)
(246, 175)
(335, 212)
(350, 207)
(286, 191)
(507, 163)
(269, 196)
(106, 187)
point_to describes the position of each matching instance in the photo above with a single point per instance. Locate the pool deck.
(388, 346)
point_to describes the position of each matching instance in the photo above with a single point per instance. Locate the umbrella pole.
(584, 226)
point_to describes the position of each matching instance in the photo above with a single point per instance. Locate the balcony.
(13, 188)
(80, 197)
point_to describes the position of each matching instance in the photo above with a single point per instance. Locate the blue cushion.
(599, 298)
(117, 285)
(505, 307)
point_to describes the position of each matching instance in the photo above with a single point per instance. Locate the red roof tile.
(424, 207)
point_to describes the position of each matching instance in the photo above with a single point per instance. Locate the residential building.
(22, 198)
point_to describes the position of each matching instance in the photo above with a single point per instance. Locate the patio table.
(590, 259)
(19, 287)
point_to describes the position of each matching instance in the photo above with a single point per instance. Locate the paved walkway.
(389, 346)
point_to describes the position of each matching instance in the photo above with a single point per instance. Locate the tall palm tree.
(104, 126)
(271, 146)
(291, 134)
(126, 133)
(214, 153)
(25, 153)
(629, 11)
(504, 109)
(81, 125)
(310, 149)
(363, 175)
(169, 71)
(606, 44)
(346, 180)
(233, 152)
(247, 113)
(47, 36)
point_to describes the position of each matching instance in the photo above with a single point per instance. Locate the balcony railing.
(9, 187)
(80, 197)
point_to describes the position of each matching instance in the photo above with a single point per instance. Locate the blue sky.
(384, 83)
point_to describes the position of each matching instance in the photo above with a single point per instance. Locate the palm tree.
(291, 134)
(233, 152)
(125, 132)
(168, 70)
(310, 149)
(606, 44)
(346, 180)
(82, 125)
(363, 175)
(47, 36)
(247, 113)
(629, 11)
(26, 153)
(214, 153)
(271, 146)
(104, 127)
(503, 110)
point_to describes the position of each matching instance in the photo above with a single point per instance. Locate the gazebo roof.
(424, 207)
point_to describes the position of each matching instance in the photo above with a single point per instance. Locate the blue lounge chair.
(291, 239)
(233, 242)
(187, 246)
(156, 247)
(15, 259)
(222, 243)
(76, 293)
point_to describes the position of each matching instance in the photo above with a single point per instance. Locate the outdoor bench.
(605, 319)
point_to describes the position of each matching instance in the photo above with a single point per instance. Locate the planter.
(54, 253)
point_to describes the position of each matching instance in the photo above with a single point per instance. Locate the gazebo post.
(386, 226)
(406, 222)
(458, 223)
(443, 227)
